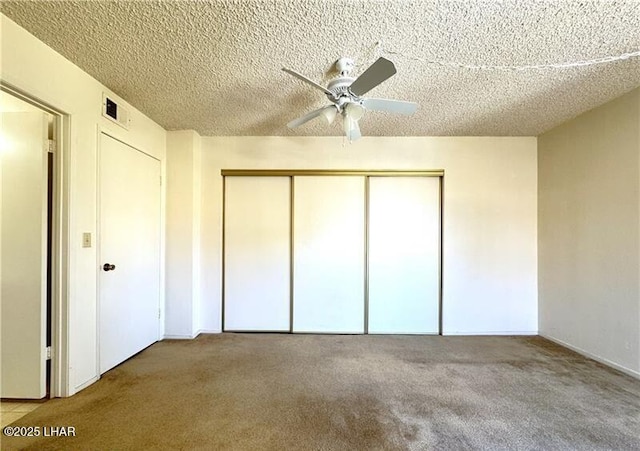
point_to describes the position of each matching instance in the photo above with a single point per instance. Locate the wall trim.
(60, 380)
(192, 336)
(84, 385)
(607, 362)
(366, 172)
(178, 337)
(500, 333)
(208, 331)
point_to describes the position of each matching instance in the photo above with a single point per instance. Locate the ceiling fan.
(345, 93)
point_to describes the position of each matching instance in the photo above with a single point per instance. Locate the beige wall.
(43, 74)
(589, 233)
(490, 210)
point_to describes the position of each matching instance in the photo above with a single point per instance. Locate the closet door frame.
(331, 172)
(229, 324)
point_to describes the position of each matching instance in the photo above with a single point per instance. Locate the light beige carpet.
(315, 392)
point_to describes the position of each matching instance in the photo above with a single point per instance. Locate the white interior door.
(328, 293)
(257, 254)
(129, 240)
(23, 262)
(404, 259)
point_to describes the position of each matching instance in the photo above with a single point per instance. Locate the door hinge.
(48, 352)
(159, 313)
(160, 180)
(52, 146)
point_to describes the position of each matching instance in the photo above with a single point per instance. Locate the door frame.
(366, 173)
(59, 376)
(122, 139)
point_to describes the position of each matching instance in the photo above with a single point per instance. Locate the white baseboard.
(206, 331)
(502, 332)
(179, 337)
(209, 331)
(190, 337)
(597, 358)
(84, 385)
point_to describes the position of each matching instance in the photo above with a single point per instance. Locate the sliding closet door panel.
(404, 237)
(256, 254)
(328, 254)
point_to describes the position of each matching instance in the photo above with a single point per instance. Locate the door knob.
(108, 267)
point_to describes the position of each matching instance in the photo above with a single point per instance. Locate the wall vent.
(114, 112)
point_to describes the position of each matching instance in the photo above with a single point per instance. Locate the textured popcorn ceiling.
(214, 66)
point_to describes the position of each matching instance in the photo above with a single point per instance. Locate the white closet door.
(328, 254)
(404, 236)
(257, 249)
(130, 240)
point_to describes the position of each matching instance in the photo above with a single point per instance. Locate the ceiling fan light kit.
(345, 93)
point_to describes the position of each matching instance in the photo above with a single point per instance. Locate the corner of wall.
(184, 310)
(179, 262)
(589, 233)
(196, 149)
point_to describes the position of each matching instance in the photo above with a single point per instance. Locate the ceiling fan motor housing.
(344, 66)
(340, 88)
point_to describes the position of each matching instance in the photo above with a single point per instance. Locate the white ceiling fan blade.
(378, 72)
(390, 106)
(351, 128)
(309, 116)
(355, 131)
(306, 80)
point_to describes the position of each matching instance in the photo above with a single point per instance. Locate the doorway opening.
(31, 248)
